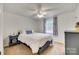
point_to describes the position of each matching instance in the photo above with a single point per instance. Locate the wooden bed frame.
(41, 49)
(46, 45)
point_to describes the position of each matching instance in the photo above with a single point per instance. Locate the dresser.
(71, 43)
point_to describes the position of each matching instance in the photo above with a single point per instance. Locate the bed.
(36, 41)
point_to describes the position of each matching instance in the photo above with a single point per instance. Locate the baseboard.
(59, 41)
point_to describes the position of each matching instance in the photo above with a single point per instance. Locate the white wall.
(14, 22)
(77, 14)
(1, 29)
(66, 22)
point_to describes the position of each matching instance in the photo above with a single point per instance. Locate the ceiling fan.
(40, 11)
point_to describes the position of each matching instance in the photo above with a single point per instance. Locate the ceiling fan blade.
(33, 15)
(51, 9)
(30, 9)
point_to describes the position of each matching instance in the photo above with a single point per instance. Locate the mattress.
(35, 40)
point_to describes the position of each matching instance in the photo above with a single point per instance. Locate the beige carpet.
(21, 49)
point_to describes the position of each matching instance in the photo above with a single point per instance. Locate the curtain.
(55, 26)
(44, 21)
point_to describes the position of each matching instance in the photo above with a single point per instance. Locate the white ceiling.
(22, 8)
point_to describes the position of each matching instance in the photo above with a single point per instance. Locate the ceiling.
(23, 8)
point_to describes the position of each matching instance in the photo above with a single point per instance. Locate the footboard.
(46, 45)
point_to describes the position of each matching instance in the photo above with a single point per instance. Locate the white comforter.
(35, 40)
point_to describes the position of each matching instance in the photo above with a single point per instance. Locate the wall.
(66, 22)
(14, 23)
(1, 29)
(77, 14)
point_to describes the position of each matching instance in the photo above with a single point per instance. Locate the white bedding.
(35, 40)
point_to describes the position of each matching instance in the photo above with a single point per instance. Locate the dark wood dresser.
(71, 43)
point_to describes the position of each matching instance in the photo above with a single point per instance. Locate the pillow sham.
(29, 32)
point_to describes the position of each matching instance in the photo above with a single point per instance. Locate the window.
(51, 26)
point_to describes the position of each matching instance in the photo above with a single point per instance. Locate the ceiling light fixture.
(41, 14)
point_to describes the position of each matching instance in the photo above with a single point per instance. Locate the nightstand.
(13, 39)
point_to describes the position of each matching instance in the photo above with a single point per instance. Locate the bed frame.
(46, 45)
(41, 49)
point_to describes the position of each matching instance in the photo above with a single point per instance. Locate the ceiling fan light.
(40, 15)
(42, 12)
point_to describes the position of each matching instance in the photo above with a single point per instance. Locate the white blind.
(49, 26)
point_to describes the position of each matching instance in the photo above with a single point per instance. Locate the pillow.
(29, 32)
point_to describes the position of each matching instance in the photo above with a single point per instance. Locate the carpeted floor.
(21, 49)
